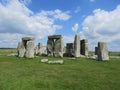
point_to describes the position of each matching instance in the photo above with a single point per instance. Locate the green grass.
(7, 51)
(80, 74)
(114, 53)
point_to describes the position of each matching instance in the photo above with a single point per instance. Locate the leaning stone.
(94, 56)
(21, 49)
(30, 50)
(102, 51)
(44, 60)
(56, 62)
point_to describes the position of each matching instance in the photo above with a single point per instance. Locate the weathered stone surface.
(84, 47)
(21, 49)
(55, 37)
(56, 62)
(70, 49)
(28, 39)
(36, 49)
(58, 48)
(39, 49)
(96, 50)
(93, 56)
(77, 46)
(30, 50)
(50, 47)
(102, 51)
(26, 47)
(55, 46)
(44, 60)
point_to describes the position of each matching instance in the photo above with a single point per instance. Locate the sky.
(95, 20)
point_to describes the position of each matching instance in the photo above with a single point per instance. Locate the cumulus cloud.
(26, 2)
(17, 19)
(75, 27)
(103, 26)
(68, 39)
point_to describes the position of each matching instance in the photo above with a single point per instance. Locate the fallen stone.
(44, 60)
(94, 56)
(12, 54)
(72, 58)
(55, 62)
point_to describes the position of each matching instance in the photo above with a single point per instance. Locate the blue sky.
(95, 20)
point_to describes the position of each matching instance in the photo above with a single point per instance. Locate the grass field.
(79, 74)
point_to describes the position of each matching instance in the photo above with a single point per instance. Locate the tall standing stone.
(30, 50)
(102, 51)
(36, 49)
(84, 47)
(70, 49)
(77, 46)
(50, 45)
(58, 47)
(39, 49)
(96, 50)
(21, 49)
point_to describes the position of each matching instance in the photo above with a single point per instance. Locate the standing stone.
(30, 50)
(84, 47)
(96, 50)
(64, 49)
(102, 51)
(58, 48)
(21, 49)
(36, 49)
(26, 47)
(70, 49)
(77, 46)
(55, 46)
(50, 47)
(39, 49)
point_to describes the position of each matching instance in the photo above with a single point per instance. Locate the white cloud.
(68, 39)
(60, 15)
(75, 27)
(103, 26)
(16, 18)
(26, 2)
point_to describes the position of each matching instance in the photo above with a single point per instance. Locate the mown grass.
(79, 74)
(6, 51)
